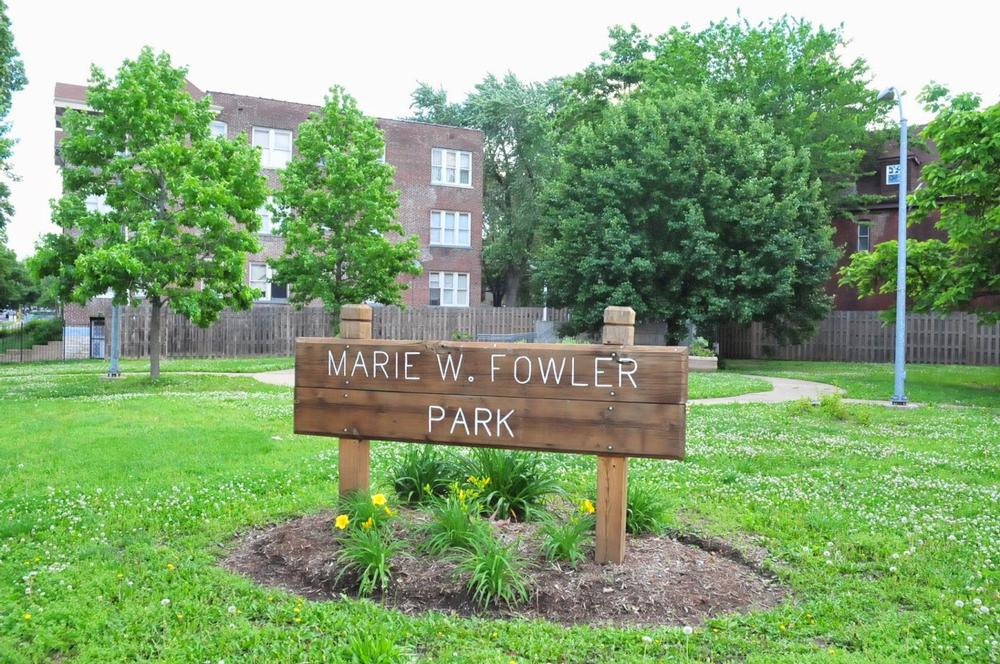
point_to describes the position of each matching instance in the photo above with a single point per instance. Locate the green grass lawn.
(138, 367)
(723, 384)
(117, 498)
(925, 383)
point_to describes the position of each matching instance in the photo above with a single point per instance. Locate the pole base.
(899, 400)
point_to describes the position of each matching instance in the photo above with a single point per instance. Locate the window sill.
(450, 246)
(449, 184)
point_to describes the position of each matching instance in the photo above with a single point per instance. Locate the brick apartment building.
(438, 174)
(880, 223)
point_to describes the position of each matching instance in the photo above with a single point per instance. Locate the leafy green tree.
(182, 206)
(687, 207)
(963, 188)
(17, 288)
(787, 71)
(337, 213)
(12, 79)
(518, 151)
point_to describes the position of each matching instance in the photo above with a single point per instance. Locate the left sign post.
(354, 459)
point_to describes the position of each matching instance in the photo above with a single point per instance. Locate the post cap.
(361, 312)
(619, 316)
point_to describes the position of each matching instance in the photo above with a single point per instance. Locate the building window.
(219, 129)
(449, 289)
(260, 278)
(275, 146)
(451, 167)
(864, 237)
(266, 217)
(98, 204)
(893, 173)
(450, 229)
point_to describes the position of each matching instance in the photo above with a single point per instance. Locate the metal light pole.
(899, 394)
(116, 340)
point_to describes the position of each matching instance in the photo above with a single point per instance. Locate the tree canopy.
(516, 120)
(336, 211)
(963, 189)
(12, 79)
(687, 207)
(17, 287)
(152, 205)
(787, 71)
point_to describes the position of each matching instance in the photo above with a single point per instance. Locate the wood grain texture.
(552, 425)
(619, 316)
(548, 371)
(354, 465)
(612, 498)
(361, 312)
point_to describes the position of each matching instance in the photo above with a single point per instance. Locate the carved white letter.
(431, 419)
(332, 368)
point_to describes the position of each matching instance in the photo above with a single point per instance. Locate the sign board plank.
(552, 425)
(593, 372)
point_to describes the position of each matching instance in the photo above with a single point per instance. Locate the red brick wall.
(408, 149)
(883, 219)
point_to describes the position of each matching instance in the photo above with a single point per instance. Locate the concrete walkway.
(783, 389)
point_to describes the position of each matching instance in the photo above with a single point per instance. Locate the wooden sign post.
(613, 400)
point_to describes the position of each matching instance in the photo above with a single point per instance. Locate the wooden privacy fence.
(272, 329)
(861, 336)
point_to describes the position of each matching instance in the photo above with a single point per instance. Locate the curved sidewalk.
(783, 389)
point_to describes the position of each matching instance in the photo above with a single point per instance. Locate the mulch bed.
(663, 581)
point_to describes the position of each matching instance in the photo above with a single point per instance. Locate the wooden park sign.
(614, 400)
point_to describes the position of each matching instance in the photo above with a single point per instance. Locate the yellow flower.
(388, 512)
(378, 500)
(27, 616)
(368, 524)
(342, 521)
(587, 506)
(170, 567)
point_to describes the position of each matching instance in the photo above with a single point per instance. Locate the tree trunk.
(513, 286)
(154, 338)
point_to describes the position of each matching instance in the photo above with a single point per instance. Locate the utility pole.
(899, 391)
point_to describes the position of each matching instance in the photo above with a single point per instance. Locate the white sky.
(294, 50)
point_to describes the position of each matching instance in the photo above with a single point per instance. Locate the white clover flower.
(984, 609)
(647, 639)
(231, 609)
(892, 569)
(688, 630)
(959, 603)
(165, 601)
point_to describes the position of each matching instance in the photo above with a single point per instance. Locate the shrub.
(455, 522)
(360, 507)
(565, 540)
(368, 553)
(517, 485)
(699, 348)
(424, 473)
(644, 512)
(832, 405)
(35, 332)
(495, 573)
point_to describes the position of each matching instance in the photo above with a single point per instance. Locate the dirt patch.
(662, 582)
